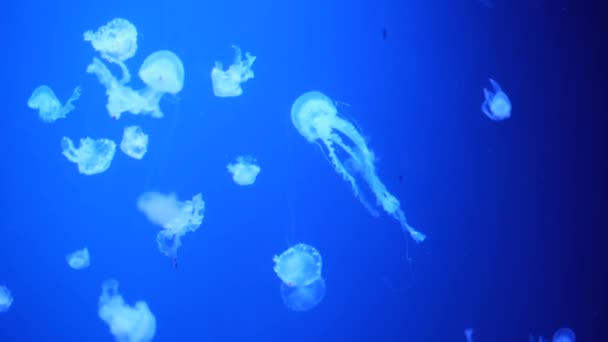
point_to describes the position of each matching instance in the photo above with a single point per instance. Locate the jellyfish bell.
(6, 299)
(244, 171)
(303, 298)
(299, 265)
(49, 108)
(92, 156)
(79, 259)
(163, 72)
(311, 113)
(496, 104)
(564, 335)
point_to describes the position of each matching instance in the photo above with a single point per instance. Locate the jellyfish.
(92, 157)
(228, 83)
(316, 118)
(564, 335)
(79, 259)
(134, 142)
(244, 171)
(6, 300)
(127, 323)
(299, 265)
(116, 42)
(49, 108)
(496, 105)
(175, 217)
(468, 334)
(303, 298)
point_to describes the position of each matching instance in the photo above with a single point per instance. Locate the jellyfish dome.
(6, 299)
(92, 157)
(315, 117)
(299, 265)
(227, 83)
(496, 104)
(244, 171)
(79, 259)
(303, 298)
(564, 335)
(49, 108)
(134, 142)
(163, 72)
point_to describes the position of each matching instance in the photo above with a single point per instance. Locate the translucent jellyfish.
(300, 265)
(134, 142)
(303, 298)
(468, 334)
(496, 105)
(564, 335)
(228, 83)
(79, 259)
(177, 218)
(127, 323)
(6, 300)
(116, 42)
(49, 108)
(316, 118)
(92, 157)
(244, 171)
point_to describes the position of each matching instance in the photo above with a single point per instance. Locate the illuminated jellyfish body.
(496, 105)
(316, 118)
(79, 259)
(244, 171)
(49, 108)
(127, 323)
(468, 334)
(177, 218)
(116, 42)
(300, 265)
(227, 83)
(162, 72)
(564, 335)
(134, 142)
(92, 157)
(303, 298)
(6, 299)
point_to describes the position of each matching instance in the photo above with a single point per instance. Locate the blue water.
(514, 210)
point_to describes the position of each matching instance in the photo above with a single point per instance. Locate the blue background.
(515, 211)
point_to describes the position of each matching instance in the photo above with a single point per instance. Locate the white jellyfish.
(228, 83)
(79, 259)
(299, 265)
(49, 108)
(244, 171)
(6, 299)
(496, 105)
(303, 298)
(92, 157)
(134, 142)
(468, 334)
(564, 335)
(316, 118)
(177, 218)
(127, 323)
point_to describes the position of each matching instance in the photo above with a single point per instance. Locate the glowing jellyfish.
(468, 334)
(564, 335)
(116, 42)
(177, 218)
(316, 118)
(228, 83)
(303, 298)
(79, 259)
(6, 300)
(300, 265)
(244, 171)
(49, 108)
(497, 105)
(92, 157)
(134, 142)
(127, 323)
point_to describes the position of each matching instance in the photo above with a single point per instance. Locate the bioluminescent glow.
(6, 299)
(496, 105)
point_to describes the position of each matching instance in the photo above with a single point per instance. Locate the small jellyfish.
(49, 108)
(127, 323)
(228, 83)
(134, 142)
(300, 265)
(496, 105)
(303, 298)
(92, 157)
(79, 259)
(316, 118)
(468, 334)
(6, 300)
(244, 171)
(564, 335)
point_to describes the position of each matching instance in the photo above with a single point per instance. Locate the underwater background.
(514, 211)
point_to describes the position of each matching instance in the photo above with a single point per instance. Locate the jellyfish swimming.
(316, 118)
(49, 108)
(134, 142)
(92, 157)
(6, 299)
(496, 105)
(127, 323)
(564, 335)
(244, 171)
(303, 298)
(299, 265)
(227, 83)
(468, 334)
(177, 218)
(79, 259)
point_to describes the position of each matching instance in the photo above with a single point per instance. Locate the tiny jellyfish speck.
(496, 104)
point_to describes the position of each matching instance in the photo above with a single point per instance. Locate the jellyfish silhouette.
(299, 265)
(564, 335)
(49, 108)
(6, 299)
(303, 298)
(496, 105)
(228, 83)
(79, 259)
(316, 118)
(244, 171)
(92, 157)
(134, 142)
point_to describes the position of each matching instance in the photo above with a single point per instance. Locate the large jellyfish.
(49, 108)
(244, 171)
(92, 157)
(316, 118)
(496, 105)
(134, 142)
(228, 83)
(300, 265)
(127, 323)
(564, 335)
(177, 218)
(79, 259)
(303, 298)
(6, 299)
